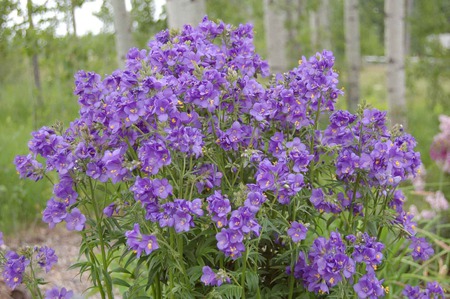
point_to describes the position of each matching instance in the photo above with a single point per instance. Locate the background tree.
(275, 18)
(180, 12)
(353, 52)
(122, 26)
(395, 55)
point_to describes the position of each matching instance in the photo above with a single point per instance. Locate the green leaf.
(120, 282)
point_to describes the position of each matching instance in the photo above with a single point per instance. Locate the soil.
(66, 245)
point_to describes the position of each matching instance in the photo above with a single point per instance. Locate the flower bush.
(191, 173)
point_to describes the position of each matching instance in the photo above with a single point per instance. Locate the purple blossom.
(369, 286)
(28, 167)
(75, 220)
(54, 213)
(162, 188)
(219, 207)
(139, 242)
(230, 242)
(46, 258)
(297, 231)
(56, 293)
(14, 268)
(209, 277)
(421, 249)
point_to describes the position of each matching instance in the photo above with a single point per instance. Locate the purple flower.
(369, 286)
(211, 278)
(422, 250)
(435, 290)
(219, 207)
(1, 239)
(54, 213)
(56, 293)
(14, 268)
(297, 231)
(46, 258)
(229, 241)
(368, 250)
(139, 242)
(75, 220)
(162, 188)
(413, 292)
(27, 167)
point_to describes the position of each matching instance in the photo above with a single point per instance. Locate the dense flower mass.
(223, 169)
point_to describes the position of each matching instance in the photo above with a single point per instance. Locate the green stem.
(35, 286)
(244, 269)
(171, 278)
(99, 218)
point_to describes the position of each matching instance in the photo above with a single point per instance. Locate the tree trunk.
(34, 55)
(181, 12)
(275, 18)
(409, 13)
(122, 25)
(313, 29)
(72, 14)
(353, 52)
(395, 55)
(324, 24)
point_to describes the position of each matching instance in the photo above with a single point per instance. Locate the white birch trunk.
(313, 30)
(122, 26)
(409, 13)
(395, 55)
(275, 18)
(324, 24)
(353, 52)
(181, 12)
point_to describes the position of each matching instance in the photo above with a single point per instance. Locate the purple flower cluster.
(367, 250)
(139, 242)
(188, 130)
(432, 290)
(14, 269)
(297, 231)
(369, 286)
(211, 278)
(328, 264)
(57, 293)
(46, 258)
(421, 249)
(365, 146)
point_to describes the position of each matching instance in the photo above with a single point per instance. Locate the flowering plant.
(190, 175)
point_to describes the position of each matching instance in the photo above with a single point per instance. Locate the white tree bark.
(313, 29)
(409, 13)
(122, 26)
(324, 24)
(395, 55)
(275, 18)
(353, 52)
(181, 12)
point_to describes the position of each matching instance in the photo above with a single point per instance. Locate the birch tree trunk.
(353, 52)
(181, 12)
(395, 55)
(275, 18)
(72, 14)
(324, 24)
(34, 55)
(122, 26)
(313, 30)
(409, 13)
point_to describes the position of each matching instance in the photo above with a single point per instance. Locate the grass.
(22, 201)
